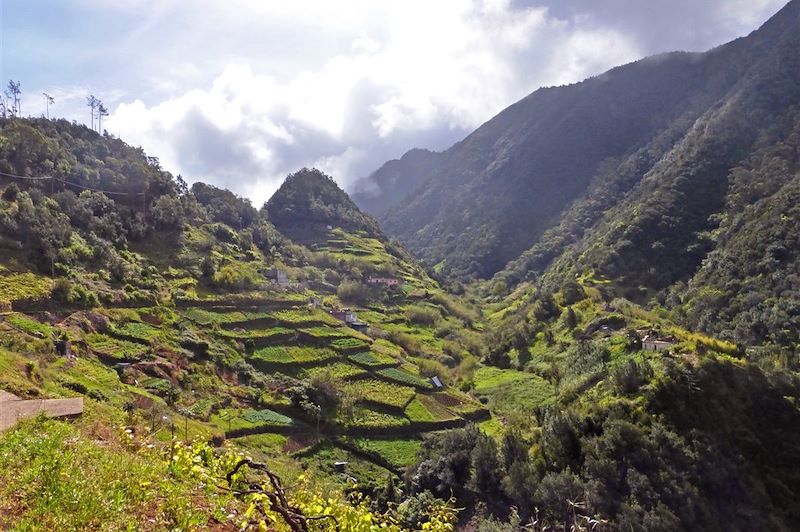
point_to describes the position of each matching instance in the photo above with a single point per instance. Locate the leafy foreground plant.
(57, 478)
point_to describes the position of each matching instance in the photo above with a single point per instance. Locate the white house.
(652, 343)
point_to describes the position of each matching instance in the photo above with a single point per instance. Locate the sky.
(240, 93)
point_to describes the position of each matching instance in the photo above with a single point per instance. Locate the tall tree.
(101, 112)
(13, 92)
(91, 102)
(48, 101)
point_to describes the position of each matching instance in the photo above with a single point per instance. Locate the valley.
(583, 316)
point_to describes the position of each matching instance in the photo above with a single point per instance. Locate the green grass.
(436, 408)
(54, 478)
(201, 409)
(29, 325)
(525, 395)
(323, 458)
(268, 443)
(487, 378)
(138, 330)
(12, 374)
(266, 417)
(381, 392)
(273, 355)
(156, 384)
(404, 377)
(337, 370)
(417, 412)
(114, 348)
(20, 286)
(349, 343)
(254, 333)
(369, 359)
(385, 347)
(235, 419)
(364, 417)
(510, 390)
(290, 355)
(306, 354)
(399, 452)
(324, 332)
(205, 317)
(90, 378)
(303, 318)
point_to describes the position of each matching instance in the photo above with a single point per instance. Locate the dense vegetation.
(637, 368)
(680, 196)
(186, 310)
(308, 201)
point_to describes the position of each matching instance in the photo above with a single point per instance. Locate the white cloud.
(412, 73)
(746, 14)
(589, 51)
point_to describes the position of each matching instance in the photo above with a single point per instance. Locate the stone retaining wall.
(13, 411)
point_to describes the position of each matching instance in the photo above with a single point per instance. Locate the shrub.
(629, 377)
(422, 315)
(456, 308)
(586, 356)
(237, 276)
(570, 319)
(167, 212)
(353, 292)
(11, 192)
(432, 368)
(545, 308)
(572, 292)
(406, 341)
(61, 290)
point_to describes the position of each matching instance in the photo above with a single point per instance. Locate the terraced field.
(373, 359)
(115, 349)
(234, 364)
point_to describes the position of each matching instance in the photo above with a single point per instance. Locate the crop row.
(338, 370)
(292, 354)
(399, 452)
(29, 325)
(404, 377)
(368, 359)
(138, 330)
(364, 417)
(381, 392)
(241, 334)
(267, 417)
(116, 349)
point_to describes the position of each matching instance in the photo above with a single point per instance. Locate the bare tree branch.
(277, 497)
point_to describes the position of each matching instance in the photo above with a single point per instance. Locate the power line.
(70, 183)
(32, 178)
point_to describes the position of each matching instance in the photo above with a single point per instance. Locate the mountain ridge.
(494, 166)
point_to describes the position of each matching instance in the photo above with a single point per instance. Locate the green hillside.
(189, 314)
(290, 368)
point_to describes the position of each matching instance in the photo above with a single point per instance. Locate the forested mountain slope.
(308, 202)
(562, 156)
